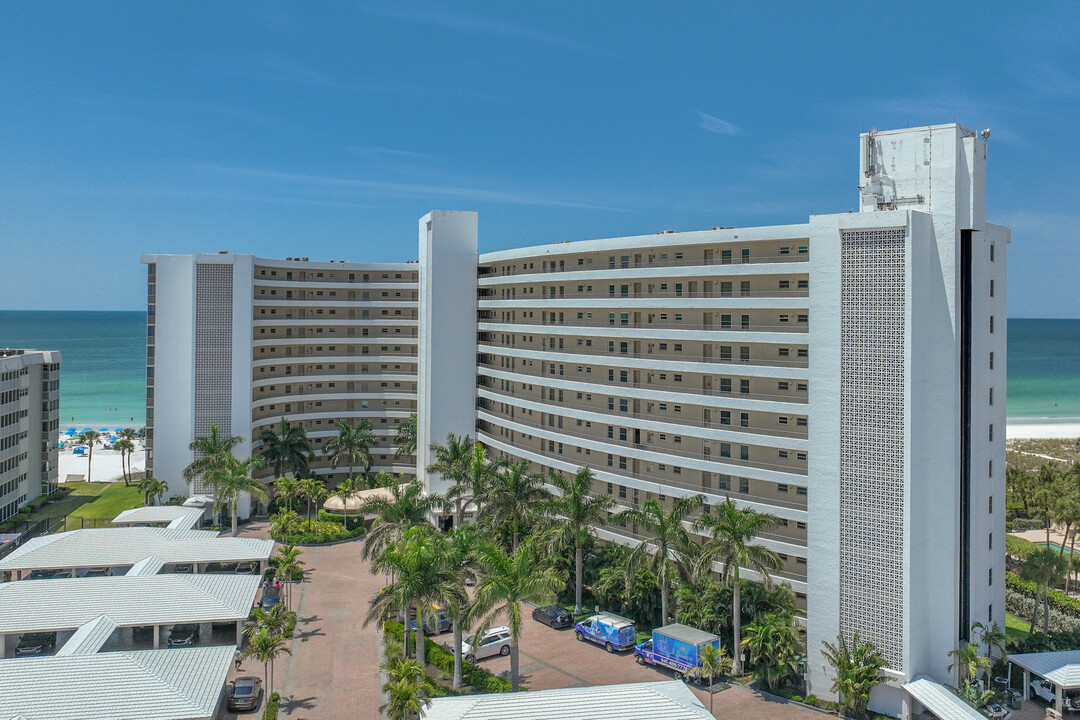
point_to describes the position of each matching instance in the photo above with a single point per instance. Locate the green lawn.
(1016, 628)
(102, 502)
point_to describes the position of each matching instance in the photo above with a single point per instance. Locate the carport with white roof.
(176, 684)
(121, 548)
(155, 601)
(173, 517)
(1062, 668)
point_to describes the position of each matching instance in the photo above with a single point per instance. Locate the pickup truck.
(677, 647)
(613, 632)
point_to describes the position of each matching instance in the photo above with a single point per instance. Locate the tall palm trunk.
(514, 665)
(405, 652)
(736, 604)
(266, 677)
(663, 597)
(1046, 608)
(578, 572)
(233, 506)
(89, 462)
(1034, 612)
(421, 639)
(457, 654)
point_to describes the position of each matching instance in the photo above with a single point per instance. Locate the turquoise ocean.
(102, 378)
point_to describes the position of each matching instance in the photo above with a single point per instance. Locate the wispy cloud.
(470, 23)
(1050, 79)
(351, 187)
(716, 125)
(376, 152)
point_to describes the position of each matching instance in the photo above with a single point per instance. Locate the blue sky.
(326, 130)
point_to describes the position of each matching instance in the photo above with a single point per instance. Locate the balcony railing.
(586, 325)
(632, 264)
(537, 298)
(648, 355)
(512, 396)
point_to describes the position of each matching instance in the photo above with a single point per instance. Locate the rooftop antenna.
(985, 134)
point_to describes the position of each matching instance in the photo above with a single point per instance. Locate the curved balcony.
(721, 265)
(568, 356)
(647, 482)
(664, 454)
(594, 414)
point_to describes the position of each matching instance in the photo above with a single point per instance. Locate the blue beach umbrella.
(85, 430)
(71, 431)
(104, 430)
(119, 430)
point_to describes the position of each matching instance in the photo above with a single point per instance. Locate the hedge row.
(1024, 605)
(438, 656)
(355, 521)
(328, 532)
(1058, 600)
(271, 711)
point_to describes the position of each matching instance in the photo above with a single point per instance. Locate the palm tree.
(714, 663)
(576, 512)
(462, 548)
(405, 438)
(287, 566)
(993, 637)
(152, 489)
(233, 480)
(967, 661)
(312, 490)
(288, 447)
(265, 647)
(773, 645)
(210, 453)
(406, 687)
(346, 490)
(126, 447)
(287, 489)
(514, 499)
(1044, 567)
(507, 580)
(731, 531)
(857, 670)
(352, 444)
(276, 620)
(406, 507)
(668, 550)
(424, 574)
(453, 462)
(283, 524)
(90, 438)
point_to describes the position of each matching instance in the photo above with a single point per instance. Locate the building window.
(991, 252)
(991, 324)
(991, 288)
(744, 486)
(725, 482)
(990, 433)
(991, 361)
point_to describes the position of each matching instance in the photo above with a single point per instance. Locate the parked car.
(183, 635)
(48, 574)
(97, 572)
(271, 597)
(35, 644)
(185, 569)
(495, 641)
(554, 616)
(244, 693)
(440, 625)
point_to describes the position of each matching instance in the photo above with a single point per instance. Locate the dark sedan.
(554, 616)
(244, 693)
(35, 644)
(270, 598)
(184, 635)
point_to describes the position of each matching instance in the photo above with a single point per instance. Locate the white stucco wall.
(446, 386)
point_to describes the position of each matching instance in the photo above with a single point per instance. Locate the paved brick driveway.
(332, 673)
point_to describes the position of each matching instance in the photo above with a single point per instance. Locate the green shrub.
(439, 657)
(1019, 548)
(1058, 600)
(271, 711)
(355, 521)
(1023, 524)
(328, 532)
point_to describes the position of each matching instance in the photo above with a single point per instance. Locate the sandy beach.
(106, 464)
(1039, 429)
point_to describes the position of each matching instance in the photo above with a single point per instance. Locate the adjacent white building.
(29, 423)
(243, 342)
(845, 374)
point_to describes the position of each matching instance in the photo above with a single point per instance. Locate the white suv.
(495, 641)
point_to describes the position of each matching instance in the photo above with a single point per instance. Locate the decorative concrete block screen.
(213, 351)
(872, 439)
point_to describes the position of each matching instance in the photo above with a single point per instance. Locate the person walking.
(237, 658)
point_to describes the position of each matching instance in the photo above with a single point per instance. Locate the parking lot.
(333, 671)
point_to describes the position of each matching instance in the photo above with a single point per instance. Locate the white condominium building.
(243, 342)
(29, 423)
(846, 375)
